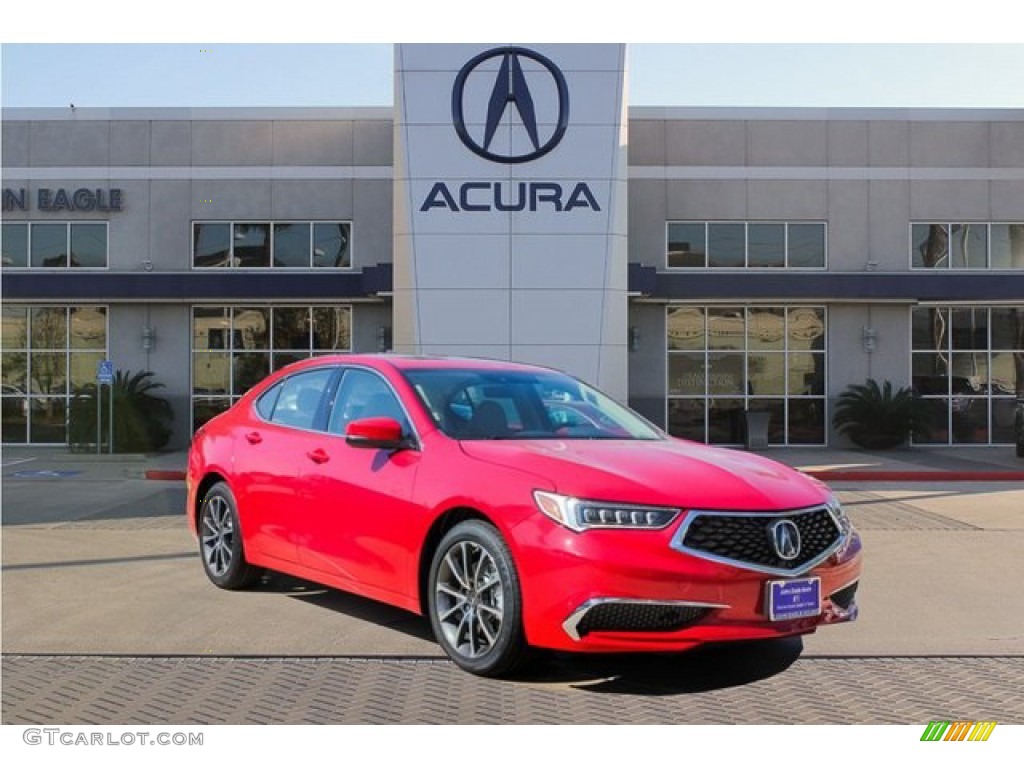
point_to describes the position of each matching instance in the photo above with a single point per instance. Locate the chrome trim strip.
(570, 624)
(691, 515)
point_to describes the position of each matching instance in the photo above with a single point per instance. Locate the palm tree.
(142, 420)
(876, 417)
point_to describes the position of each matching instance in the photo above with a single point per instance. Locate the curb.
(165, 474)
(918, 476)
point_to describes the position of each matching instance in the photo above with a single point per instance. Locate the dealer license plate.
(794, 599)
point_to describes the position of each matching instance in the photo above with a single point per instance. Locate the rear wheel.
(220, 541)
(475, 602)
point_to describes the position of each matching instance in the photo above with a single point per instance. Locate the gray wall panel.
(888, 143)
(706, 142)
(938, 145)
(848, 247)
(55, 143)
(848, 143)
(129, 142)
(170, 142)
(14, 144)
(234, 142)
(329, 199)
(312, 142)
(787, 142)
(170, 232)
(373, 142)
(949, 200)
(372, 228)
(787, 200)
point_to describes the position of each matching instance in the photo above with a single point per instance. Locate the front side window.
(365, 395)
(298, 402)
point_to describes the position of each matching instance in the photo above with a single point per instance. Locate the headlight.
(841, 518)
(583, 514)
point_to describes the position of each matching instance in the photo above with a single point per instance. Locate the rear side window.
(298, 402)
(265, 404)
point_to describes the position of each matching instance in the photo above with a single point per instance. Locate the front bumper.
(630, 590)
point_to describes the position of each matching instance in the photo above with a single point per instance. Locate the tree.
(142, 420)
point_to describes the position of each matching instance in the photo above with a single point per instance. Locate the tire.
(220, 541)
(481, 629)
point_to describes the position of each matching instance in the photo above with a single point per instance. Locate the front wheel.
(475, 602)
(220, 541)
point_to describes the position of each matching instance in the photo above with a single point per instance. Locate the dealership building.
(701, 264)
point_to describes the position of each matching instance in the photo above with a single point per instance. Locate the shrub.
(876, 417)
(142, 420)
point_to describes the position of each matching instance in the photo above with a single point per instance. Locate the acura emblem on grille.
(786, 539)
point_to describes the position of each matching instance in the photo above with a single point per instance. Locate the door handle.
(318, 456)
(254, 438)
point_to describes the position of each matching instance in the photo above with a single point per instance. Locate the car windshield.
(483, 404)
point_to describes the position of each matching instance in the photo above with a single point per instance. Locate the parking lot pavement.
(761, 684)
(107, 615)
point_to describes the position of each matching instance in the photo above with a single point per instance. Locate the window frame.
(271, 224)
(68, 225)
(949, 267)
(745, 350)
(746, 266)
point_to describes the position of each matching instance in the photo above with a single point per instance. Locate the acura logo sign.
(786, 539)
(511, 93)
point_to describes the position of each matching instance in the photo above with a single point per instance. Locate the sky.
(787, 53)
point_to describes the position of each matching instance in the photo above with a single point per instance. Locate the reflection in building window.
(724, 361)
(234, 348)
(48, 354)
(978, 245)
(967, 365)
(265, 244)
(752, 245)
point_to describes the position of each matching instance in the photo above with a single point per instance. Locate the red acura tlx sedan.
(515, 506)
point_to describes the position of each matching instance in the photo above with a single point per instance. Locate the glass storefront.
(726, 360)
(235, 347)
(968, 366)
(49, 353)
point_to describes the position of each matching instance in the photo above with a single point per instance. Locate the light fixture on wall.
(383, 338)
(869, 339)
(148, 337)
(634, 338)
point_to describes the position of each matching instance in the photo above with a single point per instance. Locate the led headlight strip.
(584, 514)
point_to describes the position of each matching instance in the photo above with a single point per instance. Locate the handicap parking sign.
(105, 372)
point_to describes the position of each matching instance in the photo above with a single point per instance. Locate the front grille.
(639, 617)
(746, 539)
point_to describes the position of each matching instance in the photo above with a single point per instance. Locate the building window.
(235, 347)
(979, 245)
(726, 360)
(967, 364)
(55, 245)
(48, 353)
(750, 245)
(266, 244)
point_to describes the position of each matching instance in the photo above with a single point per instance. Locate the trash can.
(757, 430)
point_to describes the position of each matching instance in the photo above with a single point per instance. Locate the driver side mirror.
(379, 432)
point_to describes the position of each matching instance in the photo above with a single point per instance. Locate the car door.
(270, 454)
(360, 499)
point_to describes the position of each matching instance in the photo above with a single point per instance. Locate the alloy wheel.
(469, 596)
(218, 535)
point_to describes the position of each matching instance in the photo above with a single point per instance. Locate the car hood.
(663, 472)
